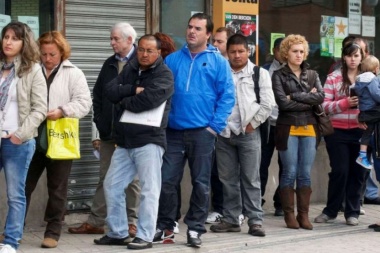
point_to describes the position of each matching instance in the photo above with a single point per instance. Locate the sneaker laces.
(193, 234)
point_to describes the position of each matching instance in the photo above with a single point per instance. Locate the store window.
(305, 18)
(174, 16)
(38, 14)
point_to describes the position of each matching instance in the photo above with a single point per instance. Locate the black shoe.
(164, 236)
(193, 239)
(278, 212)
(374, 226)
(375, 201)
(106, 240)
(376, 229)
(256, 230)
(139, 243)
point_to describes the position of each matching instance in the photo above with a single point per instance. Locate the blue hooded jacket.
(204, 92)
(367, 87)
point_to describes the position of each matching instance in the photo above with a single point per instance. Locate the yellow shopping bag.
(63, 139)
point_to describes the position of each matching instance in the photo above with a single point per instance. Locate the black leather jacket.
(296, 111)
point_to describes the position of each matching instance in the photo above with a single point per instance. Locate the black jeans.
(346, 178)
(57, 172)
(266, 157)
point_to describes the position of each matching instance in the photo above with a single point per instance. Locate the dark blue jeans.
(197, 147)
(346, 178)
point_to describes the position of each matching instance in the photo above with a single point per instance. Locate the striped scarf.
(4, 86)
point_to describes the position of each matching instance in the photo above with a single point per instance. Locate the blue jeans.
(15, 160)
(197, 146)
(372, 191)
(238, 160)
(297, 161)
(145, 162)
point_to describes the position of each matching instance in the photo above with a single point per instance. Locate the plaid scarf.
(4, 86)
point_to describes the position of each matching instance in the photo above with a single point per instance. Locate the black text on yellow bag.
(63, 139)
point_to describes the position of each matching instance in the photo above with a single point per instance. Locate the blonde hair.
(370, 63)
(289, 41)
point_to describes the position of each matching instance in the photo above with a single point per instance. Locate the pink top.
(336, 103)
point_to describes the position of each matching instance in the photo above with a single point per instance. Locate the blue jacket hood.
(367, 88)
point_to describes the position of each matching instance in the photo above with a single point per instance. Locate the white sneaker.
(213, 218)
(176, 228)
(362, 211)
(6, 248)
(241, 219)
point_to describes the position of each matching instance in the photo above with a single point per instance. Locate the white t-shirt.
(11, 114)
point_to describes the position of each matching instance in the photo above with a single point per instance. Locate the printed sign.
(33, 23)
(245, 25)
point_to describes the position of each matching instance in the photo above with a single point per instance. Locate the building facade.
(86, 25)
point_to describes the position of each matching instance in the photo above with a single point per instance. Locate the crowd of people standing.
(212, 108)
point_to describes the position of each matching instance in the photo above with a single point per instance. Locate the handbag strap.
(311, 77)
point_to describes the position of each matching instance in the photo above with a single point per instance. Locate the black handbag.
(323, 121)
(41, 139)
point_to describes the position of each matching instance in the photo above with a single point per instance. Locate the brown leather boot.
(303, 202)
(287, 202)
(86, 228)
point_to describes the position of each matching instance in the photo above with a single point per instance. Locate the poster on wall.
(4, 20)
(369, 26)
(33, 23)
(245, 25)
(332, 32)
(273, 37)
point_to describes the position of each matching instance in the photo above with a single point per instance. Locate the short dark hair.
(347, 39)
(228, 31)
(151, 37)
(209, 24)
(237, 39)
(277, 42)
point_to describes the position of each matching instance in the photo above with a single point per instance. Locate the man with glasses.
(146, 84)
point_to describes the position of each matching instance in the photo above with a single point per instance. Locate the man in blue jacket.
(202, 101)
(145, 84)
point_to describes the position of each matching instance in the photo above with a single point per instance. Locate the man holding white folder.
(144, 85)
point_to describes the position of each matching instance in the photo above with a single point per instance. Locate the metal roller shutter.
(87, 27)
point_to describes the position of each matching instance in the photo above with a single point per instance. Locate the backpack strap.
(256, 79)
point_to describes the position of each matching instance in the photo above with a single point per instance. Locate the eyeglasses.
(147, 51)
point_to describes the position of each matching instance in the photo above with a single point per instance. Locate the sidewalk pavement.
(329, 237)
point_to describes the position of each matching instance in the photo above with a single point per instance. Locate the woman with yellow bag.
(68, 97)
(22, 109)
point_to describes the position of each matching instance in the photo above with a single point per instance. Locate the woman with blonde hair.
(296, 90)
(22, 109)
(68, 96)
